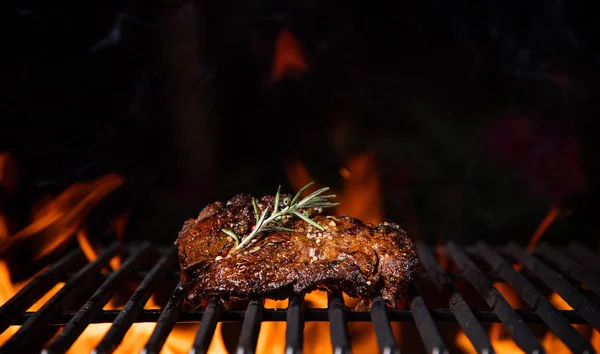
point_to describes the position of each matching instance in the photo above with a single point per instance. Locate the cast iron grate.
(572, 272)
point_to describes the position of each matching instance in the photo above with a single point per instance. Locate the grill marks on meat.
(360, 260)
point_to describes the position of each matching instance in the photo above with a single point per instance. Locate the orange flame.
(359, 197)
(58, 220)
(55, 223)
(8, 289)
(288, 59)
(179, 341)
(90, 252)
(553, 213)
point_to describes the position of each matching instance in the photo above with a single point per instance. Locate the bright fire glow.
(360, 194)
(179, 341)
(360, 197)
(8, 289)
(503, 342)
(56, 221)
(91, 254)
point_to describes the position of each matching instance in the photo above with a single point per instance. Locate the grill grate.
(572, 272)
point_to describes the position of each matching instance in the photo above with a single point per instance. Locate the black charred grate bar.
(537, 301)
(464, 315)
(207, 327)
(166, 322)
(383, 330)
(294, 333)
(512, 321)
(572, 272)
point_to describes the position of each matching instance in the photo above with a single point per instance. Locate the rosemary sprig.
(233, 235)
(291, 207)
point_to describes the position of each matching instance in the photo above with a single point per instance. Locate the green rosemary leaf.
(276, 206)
(233, 235)
(315, 200)
(308, 220)
(292, 206)
(330, 196)
(321, 205)
(258, 228)
(300, 192)
(255, 209)
(260, 221)
(277, 228)
(312, 196)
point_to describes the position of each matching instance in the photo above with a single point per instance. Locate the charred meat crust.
(360, 260)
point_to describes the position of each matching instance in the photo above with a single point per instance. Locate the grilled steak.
(360, 260)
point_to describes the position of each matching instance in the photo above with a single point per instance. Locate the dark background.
(175, 97)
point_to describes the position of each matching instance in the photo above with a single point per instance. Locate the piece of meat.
(360, 260)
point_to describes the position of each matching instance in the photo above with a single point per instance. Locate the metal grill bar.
(313, 314)
(294, 331)
(584, 256)
(465, 317)
(208, 323)
(538, 302)
(134, 306)
(54, 312)
(383, 330)
(250, 327)
(165, 322)
(570, 267)
(556, 282)
(34, 325)
(511, 320)
(37, 287)
(338, 325)
(94, 305)
(426, 326)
